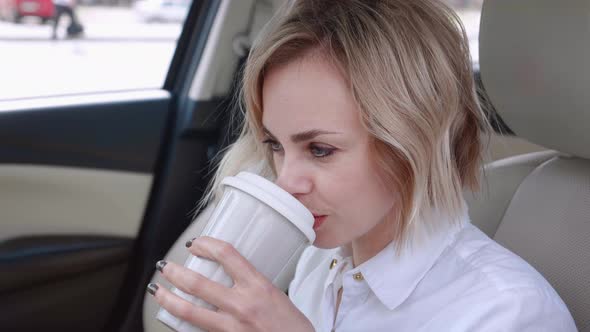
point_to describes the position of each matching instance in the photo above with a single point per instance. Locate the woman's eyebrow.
(309, 135)
(303, 136)
(268, 133)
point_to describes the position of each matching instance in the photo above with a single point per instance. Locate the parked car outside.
(162, 10)
(15, 10)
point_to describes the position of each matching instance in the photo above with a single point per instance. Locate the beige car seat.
(534, 65)
(533, 57)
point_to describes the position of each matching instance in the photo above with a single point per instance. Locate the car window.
(469, 11)
(109, 45)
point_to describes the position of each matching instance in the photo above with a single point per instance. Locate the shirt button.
(358, 276)
(333, 263)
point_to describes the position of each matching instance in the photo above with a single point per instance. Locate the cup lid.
(275, 197)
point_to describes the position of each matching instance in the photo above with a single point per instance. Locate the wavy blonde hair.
(409, 69)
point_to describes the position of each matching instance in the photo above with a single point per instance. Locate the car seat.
(533, 62)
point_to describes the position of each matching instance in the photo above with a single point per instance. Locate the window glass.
(57, 47)
(470, 13)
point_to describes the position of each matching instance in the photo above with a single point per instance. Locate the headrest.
(535, 67)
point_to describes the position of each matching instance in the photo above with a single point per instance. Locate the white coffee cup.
(266, 225)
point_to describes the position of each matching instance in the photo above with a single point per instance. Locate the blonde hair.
(409, 69)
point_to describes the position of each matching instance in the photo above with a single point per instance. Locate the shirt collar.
(392, 277)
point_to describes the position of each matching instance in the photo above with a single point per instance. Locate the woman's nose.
(293, 180)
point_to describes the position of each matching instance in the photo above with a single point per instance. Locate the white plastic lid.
(275, 197)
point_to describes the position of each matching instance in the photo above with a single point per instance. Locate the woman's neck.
(372, 242)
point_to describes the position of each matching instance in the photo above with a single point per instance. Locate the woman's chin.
(325, 241)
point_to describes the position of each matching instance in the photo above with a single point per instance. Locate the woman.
(366, 112)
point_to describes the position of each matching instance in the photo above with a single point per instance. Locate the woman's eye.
(274, 145)
(321, 152)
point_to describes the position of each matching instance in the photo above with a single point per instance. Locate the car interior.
(537, 204)
(95, 189)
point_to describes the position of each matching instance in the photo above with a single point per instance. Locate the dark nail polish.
(160, 265)
(152, 288)
(189, 242)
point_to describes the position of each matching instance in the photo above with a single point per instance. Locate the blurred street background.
(119, 50)
(125, 45)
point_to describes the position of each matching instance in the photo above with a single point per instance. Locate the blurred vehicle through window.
(118, 45)
(162, 10)
(15, 10)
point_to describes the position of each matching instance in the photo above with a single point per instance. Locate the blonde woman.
(366, 112)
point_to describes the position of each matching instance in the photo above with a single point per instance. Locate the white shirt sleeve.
(522, 310)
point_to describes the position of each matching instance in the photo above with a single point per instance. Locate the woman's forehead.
(305, 91)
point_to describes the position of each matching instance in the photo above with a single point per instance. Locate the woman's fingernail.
(160, 265)
(152, 288)
(190, 242)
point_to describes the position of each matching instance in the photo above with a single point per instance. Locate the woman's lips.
(318, 221)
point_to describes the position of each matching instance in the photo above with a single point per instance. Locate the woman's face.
(321, 153)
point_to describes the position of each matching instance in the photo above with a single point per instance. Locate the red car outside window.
(15, 10)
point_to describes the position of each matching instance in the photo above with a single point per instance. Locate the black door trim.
(116, 131)
(180, 175)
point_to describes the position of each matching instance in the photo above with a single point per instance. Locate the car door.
(96, 185)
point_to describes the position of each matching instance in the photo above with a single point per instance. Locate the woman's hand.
(252, 304)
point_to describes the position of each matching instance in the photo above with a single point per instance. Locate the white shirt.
(459, 280)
